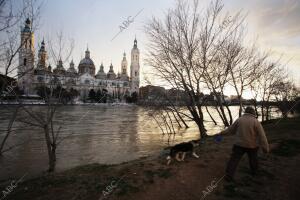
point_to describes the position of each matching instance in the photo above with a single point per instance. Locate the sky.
(93, 23)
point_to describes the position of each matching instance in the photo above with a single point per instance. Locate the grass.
(89, 181)
(282, 125)
(288, 148)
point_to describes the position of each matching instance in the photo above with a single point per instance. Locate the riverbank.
(150, 177)
(42, 103)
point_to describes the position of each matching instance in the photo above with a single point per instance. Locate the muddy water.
(102, 134)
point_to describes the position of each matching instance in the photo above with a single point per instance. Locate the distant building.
(83, 80)
(223, 98)
(151, 92)
(156, 94)
(176, 96)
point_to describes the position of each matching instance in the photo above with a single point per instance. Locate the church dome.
(111, 74)
(101, 74)
(72, 69)
(86, 61)
(86, 65)
(59, 68)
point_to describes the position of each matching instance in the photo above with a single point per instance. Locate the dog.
(182, 148)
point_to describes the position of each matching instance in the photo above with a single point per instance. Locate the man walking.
(249, 136)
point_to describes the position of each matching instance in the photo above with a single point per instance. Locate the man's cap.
(250, 110)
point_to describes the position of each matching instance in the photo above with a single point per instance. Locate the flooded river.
(95, 134)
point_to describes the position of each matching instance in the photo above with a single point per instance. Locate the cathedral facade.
(83, 79)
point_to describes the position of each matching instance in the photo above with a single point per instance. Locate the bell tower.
(124, 65)
(42, 57)
(26, 59)
(135, 68)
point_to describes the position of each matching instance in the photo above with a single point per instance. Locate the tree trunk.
(262, 111)
(200, 124)
(51, 150)
(224, 116)
(214, 121)
(217, 109)
(230, 115)
(171, 122)
(182, 120)
(178, 114)
(255, 106)
(268, 112)
(202, 129)
(241, 107)
(220, 103)
(178, 122)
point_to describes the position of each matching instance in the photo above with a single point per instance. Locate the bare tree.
(284, 92)
(217, 74)
(263, 87)
(10, 46)
(184, 51)
(44, 117)
(172, 53)
(246, 70)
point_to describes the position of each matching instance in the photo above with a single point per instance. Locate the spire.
(42, 45)
(124, 65)
(87, 53)
(124, 56)
(27, 27)
(28, 22)
(135, 43)
(72, 68)
(101, 67)
(72, 63)
(60, 66)
(42, 57)
(111, 68)
(60, 61)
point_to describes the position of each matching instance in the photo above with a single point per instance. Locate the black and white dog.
(182, 148)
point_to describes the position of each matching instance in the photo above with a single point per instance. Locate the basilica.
(82, 78)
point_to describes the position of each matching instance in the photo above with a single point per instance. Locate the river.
(103, 134)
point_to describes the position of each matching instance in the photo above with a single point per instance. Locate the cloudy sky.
(95, 22)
